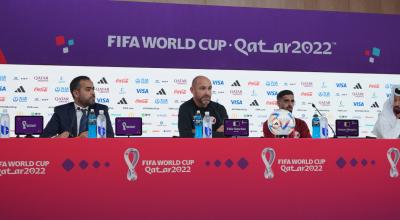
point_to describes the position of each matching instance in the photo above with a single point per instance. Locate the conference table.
(181, 178)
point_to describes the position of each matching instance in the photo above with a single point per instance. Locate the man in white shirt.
(388, 123)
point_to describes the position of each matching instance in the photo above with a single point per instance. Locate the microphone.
(315, 107)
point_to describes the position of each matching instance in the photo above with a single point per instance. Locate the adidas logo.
(375, 105)
(20, 90)
(122, 102)
(236, 83)
(102, 81)
(358, 86)
(254, 103)
(161, 92)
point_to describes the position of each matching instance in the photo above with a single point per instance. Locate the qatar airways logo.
(41, 78)
(102, 90)
(358, 94)
(307, 84)
(236, 92)
(61, 99)
(180, 81)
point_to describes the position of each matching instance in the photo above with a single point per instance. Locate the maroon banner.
(198, 179)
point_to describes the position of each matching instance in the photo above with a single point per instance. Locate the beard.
(205, 99)
(396, 110)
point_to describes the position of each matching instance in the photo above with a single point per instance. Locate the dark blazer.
(64, 119)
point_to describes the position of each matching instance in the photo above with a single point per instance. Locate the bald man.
(201, 90)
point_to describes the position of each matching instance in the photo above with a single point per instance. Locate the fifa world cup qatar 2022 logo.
(131, 175)
(394, 173)
(268, 173)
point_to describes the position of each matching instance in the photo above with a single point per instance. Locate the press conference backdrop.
(143, 56)
(155, 94)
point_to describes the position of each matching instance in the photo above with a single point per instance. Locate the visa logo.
(236, 102)
(272, 93)
(341, 85)
(218, 82)
(142, 91)
(358, 104)
(102, 100)
(2, 88)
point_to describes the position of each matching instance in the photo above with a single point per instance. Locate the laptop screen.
(25, 125)
(347, 128)
(236, 127)
(128, 126)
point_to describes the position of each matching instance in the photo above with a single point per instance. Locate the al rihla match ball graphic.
(281, 122)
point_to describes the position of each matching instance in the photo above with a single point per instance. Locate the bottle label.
(315, 123)
(101, 131)
(207, 131)
(325, 132)
(4, 130)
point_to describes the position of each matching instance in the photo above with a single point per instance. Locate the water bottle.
(101, 125)
(5, 124)
(92, 124)
(207, 126)
(198, 125)
(316, 127)
(324, 126)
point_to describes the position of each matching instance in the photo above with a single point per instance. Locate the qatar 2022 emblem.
(131, 175)
(268, 173)
(394, 173)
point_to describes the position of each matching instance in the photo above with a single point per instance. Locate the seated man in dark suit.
(201, 90)
(70, 120)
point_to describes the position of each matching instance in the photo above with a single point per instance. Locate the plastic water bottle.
(92, 121)
(324, 126)
(207, 126)
(198, 125)
(101, 125)
(316, 127)
(5, 124)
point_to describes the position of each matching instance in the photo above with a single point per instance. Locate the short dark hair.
(283, 93)
(76, 83)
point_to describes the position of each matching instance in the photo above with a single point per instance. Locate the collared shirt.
(79, 113)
